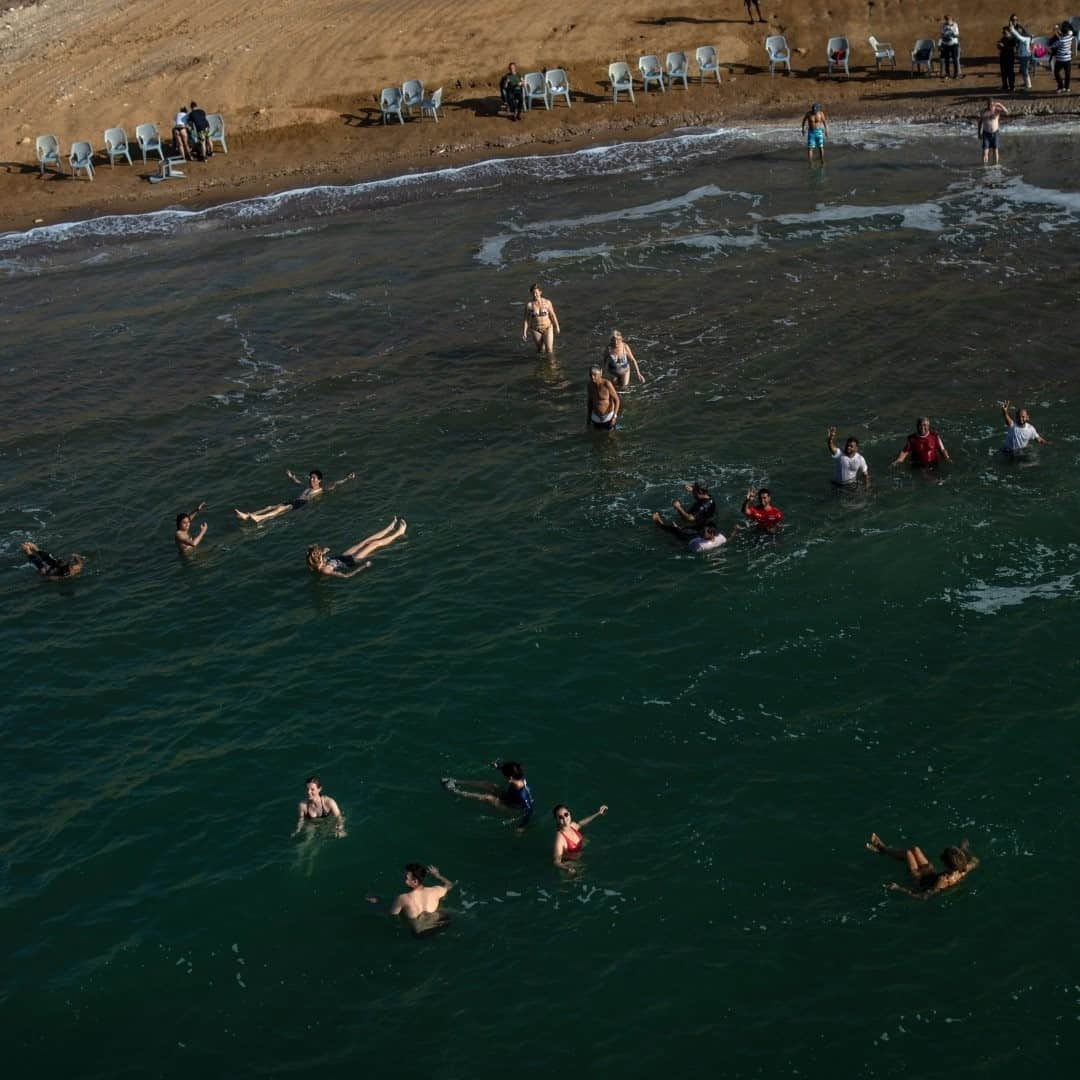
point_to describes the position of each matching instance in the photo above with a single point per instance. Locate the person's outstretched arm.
(338, 483)
(444, 882)
(294, 478)
(896, 887)
(197, 539)
(352, 573)
(1005, 414)
(901, 457)
(831, 442)
(592, 817)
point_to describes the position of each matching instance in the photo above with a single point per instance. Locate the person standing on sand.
(602, 402)
(816, 127)
(1007, 60)
(541, 321)
(1023, 49)
(512, 94)
(990, 129)
(184, 540)
(749, 14)
(949, 47)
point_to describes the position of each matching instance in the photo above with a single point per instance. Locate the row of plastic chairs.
(675, 67)
(546, 87)
(147, 137)
(393, 101)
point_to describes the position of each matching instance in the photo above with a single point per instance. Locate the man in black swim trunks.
(702, 510)
(314, 488)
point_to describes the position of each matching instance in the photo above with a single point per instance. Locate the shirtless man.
(540, 321)
(816, 127)
(315, 487)
(602, 402)
(317, 805)
(185, 542)
(990, 129)
(420, 905)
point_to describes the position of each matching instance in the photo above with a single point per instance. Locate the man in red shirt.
(764, 513)
(924, 447)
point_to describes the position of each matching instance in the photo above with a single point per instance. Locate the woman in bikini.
(540, 321)
(925, 880)
(351, 561)
(619, 356)
(568, 838)
(317, 805)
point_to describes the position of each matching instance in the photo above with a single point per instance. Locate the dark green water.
(903, 661)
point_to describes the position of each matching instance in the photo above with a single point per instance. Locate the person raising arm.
(184, 540)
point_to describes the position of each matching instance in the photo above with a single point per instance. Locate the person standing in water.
(540, 321)
(990, 129)
(317, 805)
(851, 466)
(925, 880)
(314, 488)
(48, 566)
(516, 796)
(924, 447)
(351, 561)
(602, 402)
(619, 356)
(816, 127)
(763, 513)
(420, 903)
(1021, 431)
(568, 838)
(185, 542)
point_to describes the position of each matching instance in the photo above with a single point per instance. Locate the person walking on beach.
(48, 566)
(568, 838)
(924, 446)
(949, 47)
(317, 805)
(619, 356)
(1007, 60)
(749, 14)
(1023, 49)
(926, 881)
(1062, 46)
(851, 466)
(540, 321)
(1021, 431)
(420, 903)
(510, 89)
(516, 796)
(314, 488)
(184, 540)
(990, 129)
(762, 513)
(351, 561)
(602, 402)
(816, 127)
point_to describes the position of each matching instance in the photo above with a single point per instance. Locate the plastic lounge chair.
(707, 61)
(651, 71)
(922, 54)
(412, 94)
(837, 54)
(217, 131)
(558, 85)
(47, 149)
(390, 103)
(169, 170)
(779, 52)
(149, 139)
(675, 65)
(620, 78)
(535, 88)
(1047, 58)
(882, 51)
(81, 159)
(432, 105)
(116, 145)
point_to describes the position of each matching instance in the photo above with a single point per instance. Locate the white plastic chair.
(390, 104)
(149, 139)
(836, 46)
(882, 51)
(619, 76)
(558, 85)
(707, 62)
(675, 65)
(47, 149)
(923, 54)
(651, 71)
(1047, 59)
(779, 52)
(80, 159)
(217, 130)
(432, 105)
(116, 145)
(169, 170)
(535, 88)
(412, 94)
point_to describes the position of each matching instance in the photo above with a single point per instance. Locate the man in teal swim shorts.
(816, 127)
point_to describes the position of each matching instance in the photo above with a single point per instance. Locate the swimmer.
(568, 838)
(516, 796)
(766, 515)
(48, 566)
(619, 356)
(1021, 431)
(351, 559)
(850, 465)
(816, 127)
(420, 905)
(926, 881)
(602, 402)
(540, 321)
(702, 509)
(312, 490)
(184, 540)
(924, 447)
(317, 805)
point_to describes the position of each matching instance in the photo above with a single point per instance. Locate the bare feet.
(241, 515)
(657, 518)
(875, 843)
(402, 526)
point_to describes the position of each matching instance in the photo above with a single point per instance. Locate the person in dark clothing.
(510, 89)
(1007, 59)
(701, 510)
(48, 566)
(197, 120)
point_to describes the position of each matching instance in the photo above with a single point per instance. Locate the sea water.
(900, 660)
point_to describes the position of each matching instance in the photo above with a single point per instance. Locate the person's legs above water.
(378, 540)
(876, 844)
(265, 513)
(549, 340)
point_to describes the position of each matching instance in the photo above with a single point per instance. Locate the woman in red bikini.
(568, 838)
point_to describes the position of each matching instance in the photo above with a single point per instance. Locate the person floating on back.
(816, 127)
(352, 560)
(516, 796)
(48, 566)
(924, 446)
(851, 466)
(925, 880)
(312, 490)
(1021, 431)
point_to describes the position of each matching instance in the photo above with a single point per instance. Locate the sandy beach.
(298, 84)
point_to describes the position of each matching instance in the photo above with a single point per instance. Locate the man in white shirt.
(1020, 431)
(850, 464)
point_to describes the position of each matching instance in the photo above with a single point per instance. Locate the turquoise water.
(901, 661)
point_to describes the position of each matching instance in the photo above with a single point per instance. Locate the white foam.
(990, 599)
(925, 216)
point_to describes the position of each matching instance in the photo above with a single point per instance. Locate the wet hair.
(512, 770)
(851, 439)
(558, 807)
(311, 553)
(316, 473)
(616, 334)
(534, 286)
(764, 491)
(180, 517)
(595, 367)
(418, 871)
(954, 858)
(701, 485)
